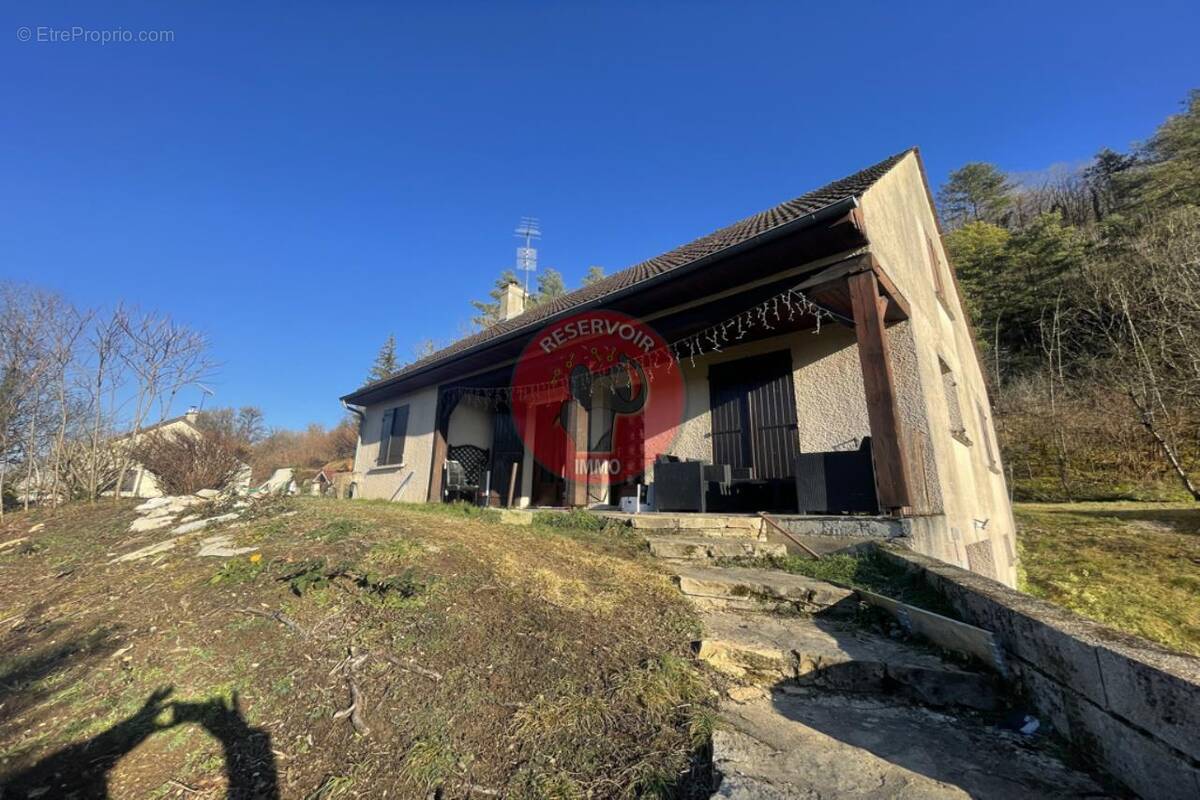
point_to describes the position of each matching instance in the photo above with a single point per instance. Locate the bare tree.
(1145, 303)
(162, 357)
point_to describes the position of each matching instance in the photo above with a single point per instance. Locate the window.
(391, 436)
(986, 433)
(958, 428)
(935, 270)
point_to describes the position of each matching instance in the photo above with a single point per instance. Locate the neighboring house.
(894, 360)
(141, 482)
(334, 478)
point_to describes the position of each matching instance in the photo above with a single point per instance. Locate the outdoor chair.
(465, 466)
(841, 482)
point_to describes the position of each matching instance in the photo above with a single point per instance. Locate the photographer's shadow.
(81, 770)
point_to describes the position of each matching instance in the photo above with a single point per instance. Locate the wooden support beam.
(891, 470)
(897, 298)
(441, 432)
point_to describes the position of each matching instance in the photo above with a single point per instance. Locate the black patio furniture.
(839, 482)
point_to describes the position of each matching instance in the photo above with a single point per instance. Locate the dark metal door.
(754, 414)
(730, 427)
(507, 451)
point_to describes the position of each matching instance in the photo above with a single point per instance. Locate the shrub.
(187, 463)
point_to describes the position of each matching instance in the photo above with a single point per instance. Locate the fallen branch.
(413, 667)
(347, 667)
(279, 617)
(354, 711)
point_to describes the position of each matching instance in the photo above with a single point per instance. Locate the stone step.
(824, 744)
(705, 548)
(709, 525)
(760, 590)
(837, 655)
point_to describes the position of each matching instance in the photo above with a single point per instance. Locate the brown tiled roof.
(729, 236)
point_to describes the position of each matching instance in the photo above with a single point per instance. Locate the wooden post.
(441, 430)
(512, 484)
(891, 469)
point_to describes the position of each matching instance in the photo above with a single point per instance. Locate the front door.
(507, 454)
(754, 415)
(549, 445)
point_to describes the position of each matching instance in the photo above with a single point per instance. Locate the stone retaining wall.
(1130, 707)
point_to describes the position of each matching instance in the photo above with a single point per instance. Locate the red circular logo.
(597, 396)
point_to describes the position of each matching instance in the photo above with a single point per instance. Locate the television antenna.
(528, 230)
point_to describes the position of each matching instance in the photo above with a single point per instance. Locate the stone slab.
(942, 631)
(148, 550)
(746, 583)
(513, 516)
(701, 548)
(1155, 690)
(835, 746)
(201, 524)
(151, 523)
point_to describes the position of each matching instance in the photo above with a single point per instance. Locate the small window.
(958, 428)
(935, 269)
(391, 436)
(986, 433)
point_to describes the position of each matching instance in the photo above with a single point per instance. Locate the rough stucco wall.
(831, 407)
(973, 494)
(376, 482)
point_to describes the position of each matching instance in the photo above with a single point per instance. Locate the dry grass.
(532, 662)
(1132, 566)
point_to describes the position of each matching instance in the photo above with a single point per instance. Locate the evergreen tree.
(595, 274)
(975, 192)
(1106, 177)
(1011, 279)
(424, 348)
(385, 365)
(488, 311)
(1171, 175)
(550, 285)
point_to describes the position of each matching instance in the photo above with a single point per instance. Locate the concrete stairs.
(820, 707)
(784, 653)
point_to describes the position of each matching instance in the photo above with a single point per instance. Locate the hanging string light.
(709, 340)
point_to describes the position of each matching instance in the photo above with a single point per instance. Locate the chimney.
(512, 302)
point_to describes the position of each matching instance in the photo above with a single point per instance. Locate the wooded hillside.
(1084, 288)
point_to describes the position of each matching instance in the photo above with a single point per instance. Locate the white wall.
(470, 424)
(900, 226)
(384, 482)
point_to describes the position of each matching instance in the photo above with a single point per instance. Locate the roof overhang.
(831, 229)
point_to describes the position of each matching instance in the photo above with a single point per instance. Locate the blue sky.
(300, 179)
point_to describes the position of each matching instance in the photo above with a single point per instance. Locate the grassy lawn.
(482, 660)
(1132, 566)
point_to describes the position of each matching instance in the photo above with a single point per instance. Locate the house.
(138, 481)
(820, 343)
(334, 478)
